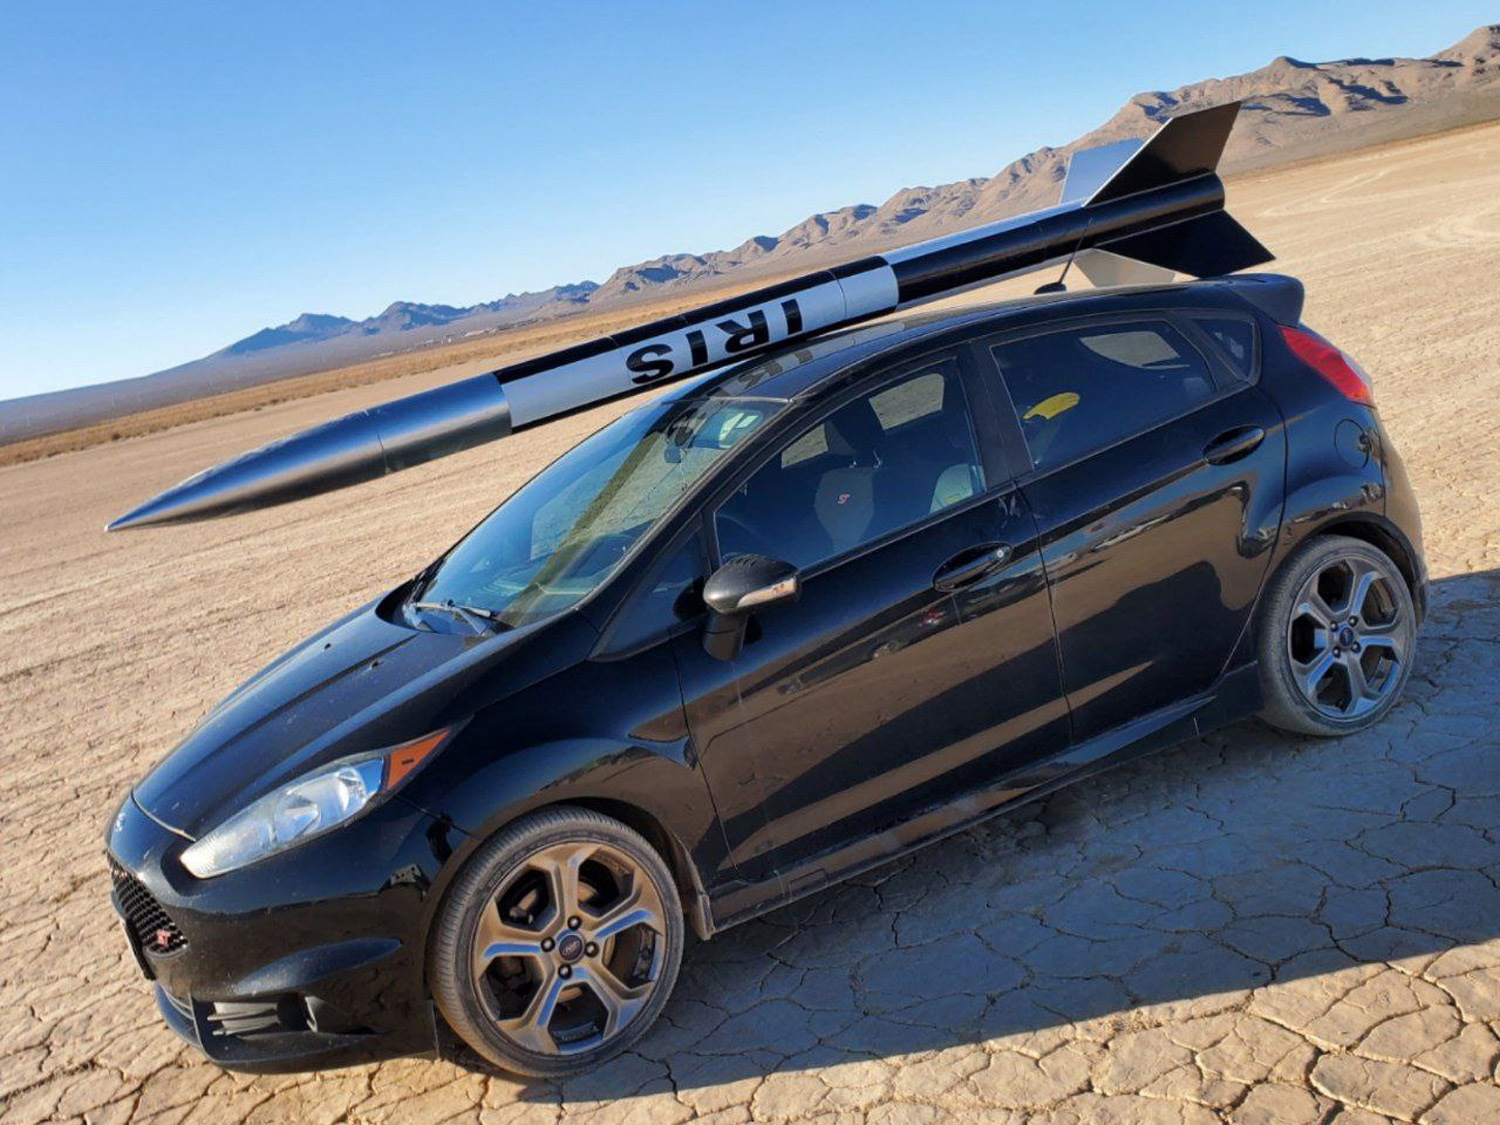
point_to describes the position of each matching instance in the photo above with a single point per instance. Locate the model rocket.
(1129, 212)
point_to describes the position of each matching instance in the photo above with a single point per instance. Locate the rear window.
(1236, 339)
(1081, 389)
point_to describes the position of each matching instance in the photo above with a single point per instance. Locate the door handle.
(969, 566)
(1233, 444)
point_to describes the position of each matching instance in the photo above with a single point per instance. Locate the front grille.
(152, 926)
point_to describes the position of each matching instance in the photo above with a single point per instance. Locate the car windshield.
(563, 532)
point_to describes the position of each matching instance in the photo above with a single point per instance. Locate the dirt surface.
(1251, 927)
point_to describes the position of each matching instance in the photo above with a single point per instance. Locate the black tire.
(508, 886)
(1329, 666)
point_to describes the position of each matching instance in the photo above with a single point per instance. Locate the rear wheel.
(558, 944)
(1337, 637)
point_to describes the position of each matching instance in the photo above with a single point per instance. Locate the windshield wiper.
(482, 620)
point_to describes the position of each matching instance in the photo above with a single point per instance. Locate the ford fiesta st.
(784, 623)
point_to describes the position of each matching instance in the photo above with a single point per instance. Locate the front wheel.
(558, 944)
(1337, 634)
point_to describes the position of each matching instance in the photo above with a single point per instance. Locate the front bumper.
(309, 959)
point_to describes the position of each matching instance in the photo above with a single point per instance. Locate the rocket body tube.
(384, 439)
(1160, 203)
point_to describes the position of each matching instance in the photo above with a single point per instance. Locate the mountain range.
(1292, 110)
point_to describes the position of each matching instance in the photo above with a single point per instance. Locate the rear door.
(1156, 482)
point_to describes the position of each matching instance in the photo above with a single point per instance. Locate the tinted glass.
(563, 532)
(667, 595)
(874, 465)
(1236, 339)
(1082, 389)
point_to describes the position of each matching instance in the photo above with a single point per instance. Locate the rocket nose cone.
(357, 447)
(137, 516)
(344, 451)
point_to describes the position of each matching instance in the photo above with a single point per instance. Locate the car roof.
(798, 370)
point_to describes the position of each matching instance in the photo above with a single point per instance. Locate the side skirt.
(1236, 696)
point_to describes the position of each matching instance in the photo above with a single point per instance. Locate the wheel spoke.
(1364, 582)
(560, 866)
(1360, 690)
(1311, 604)
(531, 1029)
(499, 938)
(1315, 672)
(621, 1002)
(1390, 641)
(635, 909)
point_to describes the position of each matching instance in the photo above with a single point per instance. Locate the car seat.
(844, 501)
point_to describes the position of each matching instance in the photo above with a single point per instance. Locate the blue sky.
(176, 176)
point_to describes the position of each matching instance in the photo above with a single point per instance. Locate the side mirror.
(739, 587)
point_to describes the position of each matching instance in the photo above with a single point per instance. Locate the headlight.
(316, 802)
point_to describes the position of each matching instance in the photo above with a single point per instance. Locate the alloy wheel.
(1348, 637)
(569, 951)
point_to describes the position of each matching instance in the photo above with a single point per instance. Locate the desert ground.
(1250, 928)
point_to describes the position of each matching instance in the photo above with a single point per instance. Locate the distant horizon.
(194, 179)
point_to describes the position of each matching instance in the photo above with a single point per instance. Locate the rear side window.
(1081, 389)
(1236, 339)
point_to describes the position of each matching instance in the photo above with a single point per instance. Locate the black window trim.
(671, 539)
(1216, 350)
(884, 370)
(1226, 382)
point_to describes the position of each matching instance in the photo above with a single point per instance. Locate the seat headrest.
(854, 431)
(956, 418)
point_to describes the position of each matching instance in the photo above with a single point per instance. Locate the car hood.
(361, 684)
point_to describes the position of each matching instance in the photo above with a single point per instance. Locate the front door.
(919, 663)
(1157, 489)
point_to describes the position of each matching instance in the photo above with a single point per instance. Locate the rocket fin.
(1182, 148)
(1089, 169)
(1207, 246)
(1104, 269)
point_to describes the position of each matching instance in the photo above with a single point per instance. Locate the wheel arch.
(1367, 527)
(1386, 538)
(696, 906)
(695, 902)
(1284, 702)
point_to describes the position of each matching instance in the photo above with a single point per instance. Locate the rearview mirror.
(744, 584)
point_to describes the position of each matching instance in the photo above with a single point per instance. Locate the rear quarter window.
(1235, 338)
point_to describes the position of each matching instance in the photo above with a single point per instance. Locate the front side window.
(669, 594)
(878, 463)
(1079, 390)
(563, 532)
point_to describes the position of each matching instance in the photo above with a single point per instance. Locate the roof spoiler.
(1278, 296)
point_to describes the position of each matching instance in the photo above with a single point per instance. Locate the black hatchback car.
(784, 623)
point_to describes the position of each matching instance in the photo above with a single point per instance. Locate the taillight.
(1347, 377)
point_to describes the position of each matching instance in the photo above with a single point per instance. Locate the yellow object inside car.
(1052, 406)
